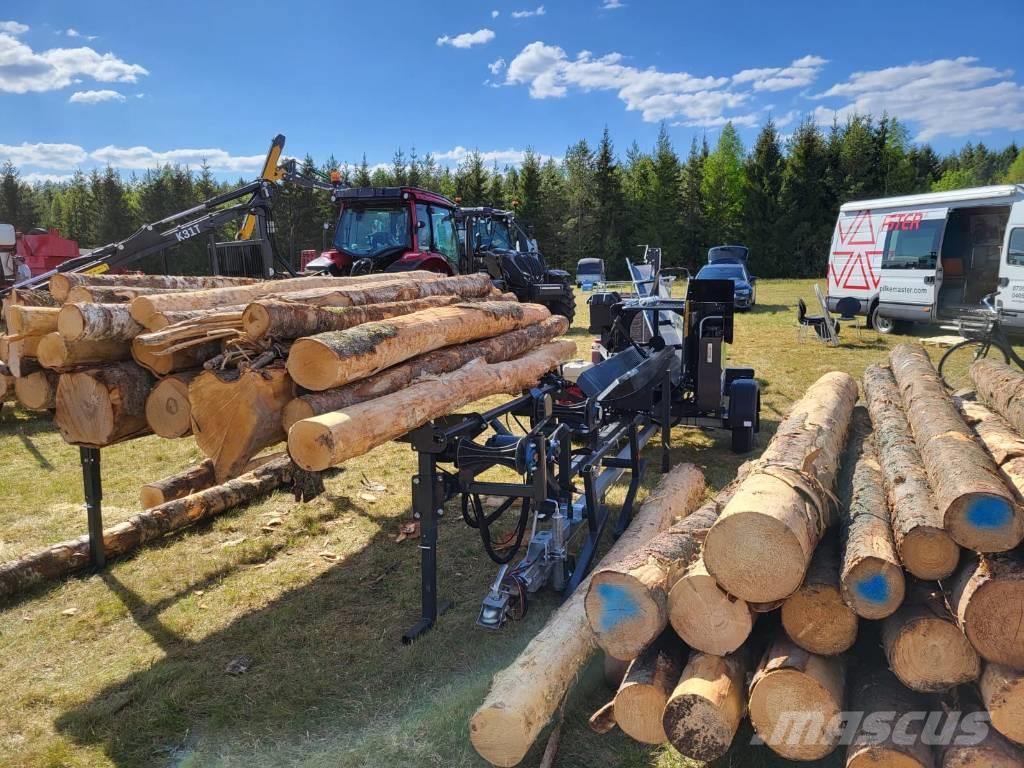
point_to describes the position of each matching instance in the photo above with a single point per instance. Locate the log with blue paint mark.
(979, 511)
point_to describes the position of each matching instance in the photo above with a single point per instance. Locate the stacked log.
(650, 679)
(168, 409)
(61, 284)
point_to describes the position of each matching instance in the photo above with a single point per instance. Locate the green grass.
(135, 675)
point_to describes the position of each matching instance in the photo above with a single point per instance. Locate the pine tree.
(362, 176)
(547, 227)
(692, 223)
(527, 190)
(609, 216)
(806, 206)
(399, 170)
(496, 189)
(113, 218)
(414, 178)
(471, 180)
(723, 187)
(578, 224)
(638, 183)
(764, 186)
(667, 200)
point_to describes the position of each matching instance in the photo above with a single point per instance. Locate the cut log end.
(626, 609)
(1002, 690)
(490, 730)
(296, 410)
(778, 696)
(37, 391)
(818, 620)
(928, 553)
(168, 411)
(256, 320)
(71, 322)
(311, 443)
(985, 522)
(706, 617)
(874, 588)
(314, 364)
(705, 709)
(930, 654)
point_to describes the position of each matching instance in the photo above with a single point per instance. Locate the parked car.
(729, 262)
(589, 271)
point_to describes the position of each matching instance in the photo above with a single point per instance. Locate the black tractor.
(493, 241)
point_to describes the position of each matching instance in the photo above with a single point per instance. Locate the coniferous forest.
(780, 196)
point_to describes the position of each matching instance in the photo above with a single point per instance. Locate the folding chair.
(848, 307)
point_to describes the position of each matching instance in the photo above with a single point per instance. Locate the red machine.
(43, 250)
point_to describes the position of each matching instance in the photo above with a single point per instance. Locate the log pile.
(866, 562)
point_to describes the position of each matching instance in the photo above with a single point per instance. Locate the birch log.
(1002, 690)
(1002, 388)
(329, 440)
(393, 288)
(707, 705)
(333, 359)
(37, 391)
(58, 354)
(871, 576)
(30, 321)
(925, 548)
(236, 414)
(101, 406)
(977, 510)
(923, 644)
(168, 411)
(113, 294)
(497, 349)
(651, 677)
(879, 691)
(790, 682)
(96, 322)
(525, 695)
(62, 283)
(68, 556)
(27, 297)
(986, 597)
(761, 544)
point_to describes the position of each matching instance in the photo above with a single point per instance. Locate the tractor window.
(445, 240)
(423, 228)
(366, 232)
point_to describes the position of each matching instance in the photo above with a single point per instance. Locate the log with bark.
(391, 288)
(643, 694)
(162, 363)
(97, 407)
(192, 480)
(977, 509)
(336, 358)
(62, 283)
(97, 322)
(20, 354)
(25, 320)
(160, 320)
(328, 440)
(168, 411)
(37, 391)
(236, 414)
(878, 691)
(925, 548)
(68, 556)
(706, 707)
(212, 298)
(114, 294)
(1002, 691)
(641, 584)
(761, 544)
(871, 576)
(926, 649)
(525, 695)
(1002, 388)
(815, 616)
(58, 354)
(494, 350)
(986, 596)
(793, 688)
(28, 297)
(974, 744)
(1003, 443)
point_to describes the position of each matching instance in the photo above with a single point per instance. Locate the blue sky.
(87, 83)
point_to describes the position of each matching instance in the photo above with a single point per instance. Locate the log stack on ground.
(524, 696)
(645, 689)
(977, 509)
(61, 283)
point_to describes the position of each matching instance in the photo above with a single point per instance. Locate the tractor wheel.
(564, 307)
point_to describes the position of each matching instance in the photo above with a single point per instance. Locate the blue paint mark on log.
(989, 512)
(616, 606)
(874, 589)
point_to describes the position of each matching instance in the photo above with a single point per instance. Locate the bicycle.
(984, 337)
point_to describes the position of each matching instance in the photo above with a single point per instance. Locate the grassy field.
(127, 667)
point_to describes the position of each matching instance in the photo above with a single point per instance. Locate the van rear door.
(1010, 297)
(911, 268)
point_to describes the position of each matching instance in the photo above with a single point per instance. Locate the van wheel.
(884, 325)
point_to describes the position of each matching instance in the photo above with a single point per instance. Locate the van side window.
(916, 248)
(1015, 253)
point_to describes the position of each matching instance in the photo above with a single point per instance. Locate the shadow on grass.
(771, 309)
(36, 454)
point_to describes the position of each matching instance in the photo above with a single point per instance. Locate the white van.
(923, 258)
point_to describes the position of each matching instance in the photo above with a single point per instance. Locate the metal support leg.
(90, 458)
(666, 422)
(426, 502)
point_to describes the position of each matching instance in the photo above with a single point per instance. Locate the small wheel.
(880, 323)
(955, 365)
(743, 439)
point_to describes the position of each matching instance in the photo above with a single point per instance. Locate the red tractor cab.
(391, 229)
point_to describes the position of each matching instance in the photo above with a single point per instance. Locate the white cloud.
(94, 97)
(495, 14)
(13, 27)
(801, 72)
(538, 11)
(496, 66)
(946, 97)
(139, 158)
(656, 95)
(23, 70)
(751, 120)
(72, 32)
(611, 5)
(467, 39)
(42, 178)
(43, 155)
(502, 157)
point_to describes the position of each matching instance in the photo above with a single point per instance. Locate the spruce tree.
(608, 204)
(807, 211)
(693, 225)
(723, 188)
(667, 200)
(764, 186)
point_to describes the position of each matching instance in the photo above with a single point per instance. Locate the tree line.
(780, 197)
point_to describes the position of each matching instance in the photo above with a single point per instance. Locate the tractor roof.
(393, 193)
